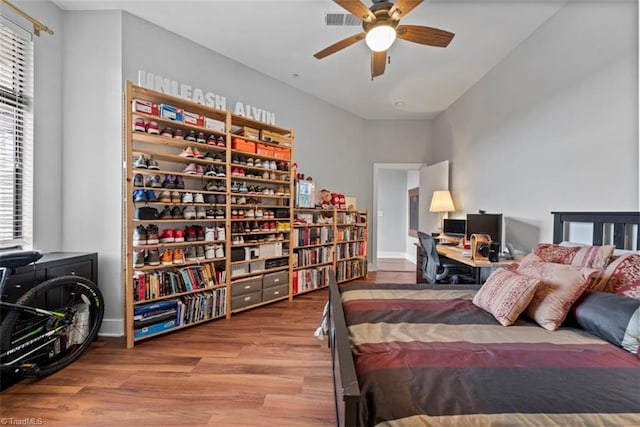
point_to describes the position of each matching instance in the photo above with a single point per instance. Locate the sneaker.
(178, 235)
(201, 213)
(169, 181)
(189, 212)
(199, 169)
(138, 258)
(165, 213)
(220, 234)
(198, 198)
(140, 235)
(187, 152)
(152, 163)
(139, 195)
(210, 170)
(258, 163)
(138, 180)
(176, 212)
(219, 214)
(167, 131)
(211, 140)
(199, 232)
(190, 254)
(191, 136)
(250, 161)
(249, 213)
(177, 134)
(219, 250)
(152, 235)
(221, 199)
(190, 169)
(167, 257)
(152, 128)
(210, 214)
(178, 256)
(167, 236)
(209, 234)
(201, 138)
(208, 156)
(139, 126)
(140, 162)
(187, 198)
(221, 142)
(200, 253)
(179, 182)
(154, 182)
(209, 251)
(153, 257)
(175, 197)
(190, 234)
(151, 196)
(165, 197)
(220, 171)
(259, 213)
(210, 199)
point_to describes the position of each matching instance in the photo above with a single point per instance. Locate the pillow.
(612, 317)
(579, 256)
(623, 272)
(560, 286)
(505, 294)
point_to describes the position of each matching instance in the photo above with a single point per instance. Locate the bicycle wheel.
(82, 304)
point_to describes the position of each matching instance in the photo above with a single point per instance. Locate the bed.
(422, 355)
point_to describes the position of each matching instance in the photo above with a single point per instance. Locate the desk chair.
(436, 271)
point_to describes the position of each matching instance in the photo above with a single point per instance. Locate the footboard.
(345, 381)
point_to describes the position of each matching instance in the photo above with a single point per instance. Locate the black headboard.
(621, 222)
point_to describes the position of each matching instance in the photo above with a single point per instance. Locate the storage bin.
(278, 278)
(282, 153)
(243, 145)
(246, 300)
(275, 292)
(246, 286)
(264, 150)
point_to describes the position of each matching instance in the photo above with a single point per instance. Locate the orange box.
(265, 150)
(282, 153)
(243, 145)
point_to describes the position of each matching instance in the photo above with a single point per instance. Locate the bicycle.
(50, 325)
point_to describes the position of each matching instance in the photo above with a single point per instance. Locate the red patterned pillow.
(560, 286)
(579, 256)
(621, 276)
(506, 294)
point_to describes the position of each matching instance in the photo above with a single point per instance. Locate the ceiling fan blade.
(424, 35)
(402, 8)
(378, 61)
(357, 9)
(340, 45)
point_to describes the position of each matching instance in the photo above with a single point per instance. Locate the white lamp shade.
(380, 38)
(441, 202)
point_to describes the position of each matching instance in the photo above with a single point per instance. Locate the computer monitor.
(454, 227)
(490, 224)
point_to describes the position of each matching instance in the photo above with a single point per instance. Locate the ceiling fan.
(381, 27)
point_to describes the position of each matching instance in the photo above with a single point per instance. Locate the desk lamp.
(441, 202)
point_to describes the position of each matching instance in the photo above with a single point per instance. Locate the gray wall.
(392, 203)
(554, 126)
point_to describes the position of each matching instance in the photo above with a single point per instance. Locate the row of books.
(351, 249)
(311, 256)
(164, 315)
(351, 233)
(347, 270)
(311, 278)
(155, 284)
(351, 218)
(313, 235)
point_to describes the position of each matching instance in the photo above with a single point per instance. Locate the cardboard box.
(150, 330)
(276, 138)
(142, 106)
(252, 133)
(243, 145)
(170, 112)
(214, 124)
(193, 119)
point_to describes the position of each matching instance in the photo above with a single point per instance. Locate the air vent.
(341, 19)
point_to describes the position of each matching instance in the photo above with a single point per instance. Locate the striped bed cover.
(429, 357)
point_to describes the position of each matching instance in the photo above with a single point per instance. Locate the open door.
(432, 178)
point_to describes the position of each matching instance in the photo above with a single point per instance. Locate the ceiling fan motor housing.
(380, 9)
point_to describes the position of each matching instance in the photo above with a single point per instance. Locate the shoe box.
(269, 250)
(243, 145)
(170, 112)
(193, 119)
(276, 138)
(214, 124)
(246, 292)
(146, 107)
(275, 263)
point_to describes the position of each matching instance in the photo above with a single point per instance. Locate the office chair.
(436, 271)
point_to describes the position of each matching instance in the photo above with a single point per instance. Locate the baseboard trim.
(112, 328)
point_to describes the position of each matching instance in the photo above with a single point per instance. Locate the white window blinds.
(16, 136)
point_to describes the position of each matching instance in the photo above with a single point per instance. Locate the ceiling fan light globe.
(380, 38)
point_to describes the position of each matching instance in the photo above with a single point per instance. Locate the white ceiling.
(279, 38)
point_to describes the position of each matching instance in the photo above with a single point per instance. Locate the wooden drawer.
(246, 300)
(275, 292)
(275, 279)
(82, 268)
(20, 282)
(246, 286)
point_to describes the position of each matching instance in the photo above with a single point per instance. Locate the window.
(16, 136)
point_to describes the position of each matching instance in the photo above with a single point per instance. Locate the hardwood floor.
(263, 367)
(395, 264)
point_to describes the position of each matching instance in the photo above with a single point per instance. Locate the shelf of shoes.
(193, 181)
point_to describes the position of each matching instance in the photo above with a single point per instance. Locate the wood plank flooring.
(263, 367)
(395, 264)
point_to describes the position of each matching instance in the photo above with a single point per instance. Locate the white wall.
(92, 146)
(554, 126)
(392, 213)
(47, 218)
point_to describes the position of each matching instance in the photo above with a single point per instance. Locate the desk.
(456, 254)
